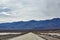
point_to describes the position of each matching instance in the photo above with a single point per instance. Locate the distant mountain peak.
(56, 19)
(32, 21)
(32, 25)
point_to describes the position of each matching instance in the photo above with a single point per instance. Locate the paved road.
(29, 36)
(23, 36)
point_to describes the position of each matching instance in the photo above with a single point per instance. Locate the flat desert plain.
(30, 36)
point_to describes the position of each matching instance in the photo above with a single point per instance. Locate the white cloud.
(29, 9)
(4, 1)
(5, 13)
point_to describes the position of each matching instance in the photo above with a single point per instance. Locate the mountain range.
(32, 25)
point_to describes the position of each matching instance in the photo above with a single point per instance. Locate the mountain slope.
(32, 25)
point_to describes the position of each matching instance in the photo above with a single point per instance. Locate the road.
(27, 36)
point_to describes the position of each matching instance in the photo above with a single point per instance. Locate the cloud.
(4, 1)
(17, 10)
(4, 13)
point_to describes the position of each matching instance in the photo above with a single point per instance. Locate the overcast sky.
(19, 10)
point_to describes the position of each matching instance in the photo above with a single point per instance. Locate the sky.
(24, 10)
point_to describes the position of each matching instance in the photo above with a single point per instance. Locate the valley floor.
(30, 36)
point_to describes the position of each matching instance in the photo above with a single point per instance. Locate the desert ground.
(30, 36)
